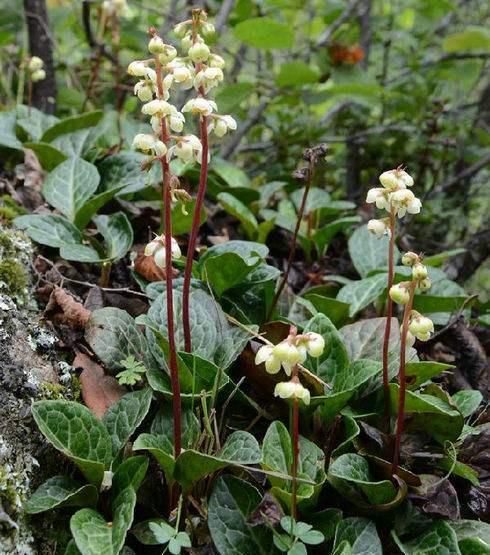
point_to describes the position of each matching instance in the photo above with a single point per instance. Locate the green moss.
(13, 274)
(52, 391)
(9, 209)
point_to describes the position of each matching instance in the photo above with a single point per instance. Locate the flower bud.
(315, 344)
(292, 390)
(35, 63)
(156, 108)
(424, 284)
(199, 52)
(144, 142)
(399, 293)
(38, 75)
(186, 42)
(137, 69)
(419, 271)
(169, 53)
(156, 45)
(180, 30)
(216, 61)
(144, 91)
(410, 258)
(420, 325)
(207, 29)
(377, 227)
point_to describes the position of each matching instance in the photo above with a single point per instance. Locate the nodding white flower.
(148, 143)
(207, 29)
(199, 52)
(410, 258)
(144, 91)
(419, 271)
(187, 148)
(221, 125)
(200, 106)
(314, 343)
(38, 75)
(208, 78)
(169, 53)
(151, 74)
(265, 354)
(180, 30)
(405, 201)
(380, 197)
(186, 41)
(159, 148)
(292, 390)
(424, 284)
(399, 293)
(137, 69)
(156, 248)
(35, 63)
(216, 61)
(377, 227)
(157, 107)
(420, 326)
(177, 121)
(410, 338)
(396, 179)
(182, 75)
(289, 355)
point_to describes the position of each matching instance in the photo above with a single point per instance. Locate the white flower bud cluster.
(419, 327)
(36, 71)
(200, 69)
(395, 196)
(290, 352)
(156, 248)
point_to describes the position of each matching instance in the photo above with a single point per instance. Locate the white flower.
(180, 30)
(200, 106)
(380, 197)
(399, 293)
(208, 78)
(187, 148)
(169, 53)
(177, 121)
(292, 390)
(157, 107)
(396, 179)
(377, 227)
(216, 61)
(419, 271)
(405, 201)
(186, 41)
(409, 258)
(156, 248)
(207, 29)
(180, 74)
(38, 75)
(159, 148)
(420, 326)
(424, 284)
(199, 52)
(151, 74)
(137, 69)
(265, 354)
(35, 63)
(144, 91)
(289, 355)
(315, 344)
(221, 125)
(144, 142)
(156, 45)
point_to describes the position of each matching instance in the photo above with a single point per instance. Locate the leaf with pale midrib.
(61, 491)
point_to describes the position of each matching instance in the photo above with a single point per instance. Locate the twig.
(468, 172)
(223, 14)
(343, 17)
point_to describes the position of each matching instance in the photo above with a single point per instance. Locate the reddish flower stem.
(196, 218)
(389, 314)
(402, 380)
(167, 203)
(293, 242)
(294, 466)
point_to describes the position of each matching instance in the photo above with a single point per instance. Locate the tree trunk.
(41, 45)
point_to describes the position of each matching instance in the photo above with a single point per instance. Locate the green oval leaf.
(264, 32)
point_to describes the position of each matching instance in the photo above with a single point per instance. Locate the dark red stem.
(196, 221)
(389, 314)
(402, 380)
(293, 242)
(294, 466)
(167, 203)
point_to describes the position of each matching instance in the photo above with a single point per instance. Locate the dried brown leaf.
(63, 308)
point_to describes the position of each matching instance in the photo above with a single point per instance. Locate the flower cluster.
(394, 197)
(288, 354)
(36, 71)
(156, 248)
(160, 77)
(420, 327)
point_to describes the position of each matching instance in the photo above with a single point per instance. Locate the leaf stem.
(389, 314)
(402, 380)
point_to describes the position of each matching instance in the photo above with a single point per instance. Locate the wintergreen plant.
(288, 354)
(394, 197)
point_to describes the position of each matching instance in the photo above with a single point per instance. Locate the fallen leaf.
(268, 512)
(146, 267)
(436, 496)
(63, 308)
(99, 391)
